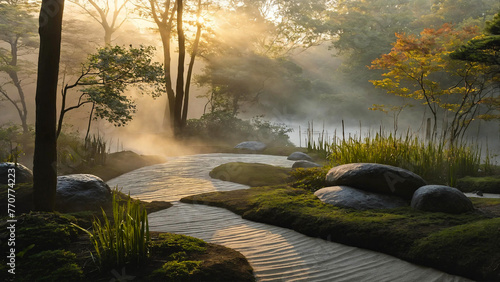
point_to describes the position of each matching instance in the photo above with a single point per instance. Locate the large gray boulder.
(348, 197)
(82, 192)
(304, 164)
(377, 178)
(439, 198)
(22, 173)
(298, 156)
(251, 146)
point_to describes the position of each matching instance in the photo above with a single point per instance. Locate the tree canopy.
(419, 67)
(106, 76)
(18, 32)
(484, 48)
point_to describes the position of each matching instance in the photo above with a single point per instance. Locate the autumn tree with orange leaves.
(419, 68)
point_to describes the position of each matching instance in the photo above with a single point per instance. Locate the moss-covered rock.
(191, 259)
(176, 271)
(252, 174)
(169, 244)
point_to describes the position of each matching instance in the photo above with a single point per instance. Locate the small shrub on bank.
(12, 141)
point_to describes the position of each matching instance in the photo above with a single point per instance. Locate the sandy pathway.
(276, 254)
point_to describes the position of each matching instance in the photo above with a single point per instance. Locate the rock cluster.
(375, 186)
(377, 178)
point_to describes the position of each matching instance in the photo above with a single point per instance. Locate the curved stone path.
(276, 254)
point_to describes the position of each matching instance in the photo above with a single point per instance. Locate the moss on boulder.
(252, 174)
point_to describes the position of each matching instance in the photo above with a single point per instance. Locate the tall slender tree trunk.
(168, 117)
(23, 111)
(90, 122)
(23, 114)
(45, 157)
(179, 87)
(107, 36)
(194, 52)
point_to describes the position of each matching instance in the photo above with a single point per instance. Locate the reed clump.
(436, 161)
(123, 240)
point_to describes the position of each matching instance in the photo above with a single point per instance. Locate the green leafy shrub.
(124, 240)
(75, 153)
(12, 142)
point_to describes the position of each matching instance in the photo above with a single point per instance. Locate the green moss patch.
(169, 244)
(471, 249)
(252, 174)
(392, 231)
(176, 270)
(190, 259)
(311, 179)
(487, 184)
(46, 231)
(49, 248)
(51, 265)
(24, 198)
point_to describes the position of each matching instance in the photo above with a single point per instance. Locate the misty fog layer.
(291, 62)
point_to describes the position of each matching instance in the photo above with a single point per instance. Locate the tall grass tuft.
(321, 145)
(124, 240)
(95, 150)
(437, 162)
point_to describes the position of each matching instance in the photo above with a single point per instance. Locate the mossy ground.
(55, 250)
(485, 184)
(434, 239)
